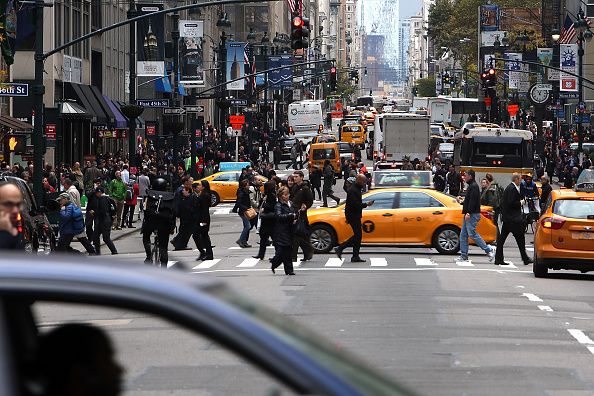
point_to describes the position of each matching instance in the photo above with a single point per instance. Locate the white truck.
(306, 118)
(401, 134)
(440, 110)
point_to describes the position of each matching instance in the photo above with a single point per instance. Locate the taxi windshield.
(391, 178)
(587, 176)
(574, 208)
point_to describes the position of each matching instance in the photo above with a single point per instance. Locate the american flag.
(568, 33)
(293, 7)
(252, 68)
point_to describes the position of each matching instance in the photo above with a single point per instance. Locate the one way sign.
(194, 109)
(174, 110)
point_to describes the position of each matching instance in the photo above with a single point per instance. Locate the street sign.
(237, 119)
(50, 131)
(236, 133)
(239, 102)
(194, 109)
(174, 110)
(14, 89)
(582, 118)
(153, 103)
(250, 110)
(544, 87)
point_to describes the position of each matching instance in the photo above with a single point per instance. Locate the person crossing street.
(329, 181)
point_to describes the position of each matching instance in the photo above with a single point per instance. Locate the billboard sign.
(489, 17)
(191, 53)
(235, 66)
(150, 59)
(569, 63)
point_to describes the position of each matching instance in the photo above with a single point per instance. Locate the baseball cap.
(63, 195)
(99, 189)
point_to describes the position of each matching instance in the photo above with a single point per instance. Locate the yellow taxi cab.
(320, 152)
(404, 216)
(323, 138)
(224, 185)
(354, 134)
(564, 236)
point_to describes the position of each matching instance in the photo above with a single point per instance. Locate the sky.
(409, 8)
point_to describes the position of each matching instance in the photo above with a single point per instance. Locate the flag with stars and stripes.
(568, 33)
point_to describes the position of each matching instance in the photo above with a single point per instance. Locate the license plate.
(582, 235)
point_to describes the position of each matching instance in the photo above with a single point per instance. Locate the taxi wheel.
(539, 269)
(322, 238)
(214, 199)
(446, 240)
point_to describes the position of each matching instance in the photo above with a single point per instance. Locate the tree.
(425, 87)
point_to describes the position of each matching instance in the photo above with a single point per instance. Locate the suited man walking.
(353, 212)
(513, 221)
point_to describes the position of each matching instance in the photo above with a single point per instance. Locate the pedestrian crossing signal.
(15, 144)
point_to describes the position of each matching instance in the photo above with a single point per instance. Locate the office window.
(67, 26)
(86, 29)
(96, 15)
(58, 24)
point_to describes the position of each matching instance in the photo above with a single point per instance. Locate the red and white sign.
(50, 131)
(568, 84)
(237, 120)
(336, 114)
(150, 130)
(115, 134)
(198, 133)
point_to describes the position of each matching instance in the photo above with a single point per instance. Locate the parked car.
(36, 228)
(193, 309)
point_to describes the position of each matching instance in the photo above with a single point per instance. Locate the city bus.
(463, 108)
(498, 151)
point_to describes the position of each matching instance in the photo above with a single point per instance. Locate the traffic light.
(445, 79)
(489, 78)
(333, 78)
(305, 32)
(15, 144)
(297, 24)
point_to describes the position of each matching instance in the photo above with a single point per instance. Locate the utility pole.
(176, 98)
(132, 82)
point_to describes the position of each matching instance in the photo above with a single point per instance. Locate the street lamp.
(583, 33)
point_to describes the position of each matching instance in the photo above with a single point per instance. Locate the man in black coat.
(513, 221)
(546, 191)
(302, 200)
(353, 212)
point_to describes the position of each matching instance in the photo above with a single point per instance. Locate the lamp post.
(223, 103)
(555, 36)
(583, 33)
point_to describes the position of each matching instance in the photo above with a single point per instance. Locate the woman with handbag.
(203, 221)
(266, 217)
(283, 231)
(245, 211)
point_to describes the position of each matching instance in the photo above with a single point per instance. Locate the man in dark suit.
(513, 221)
(353, 212)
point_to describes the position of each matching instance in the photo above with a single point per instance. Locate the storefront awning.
(102, 118)
(104, 105)
(71, 110)
(74, 91)
(120, 120)
(15, 124)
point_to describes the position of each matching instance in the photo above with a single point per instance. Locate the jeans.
(469, 230)
(247, 225)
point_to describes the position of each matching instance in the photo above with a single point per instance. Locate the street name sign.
(194, 109)
(14, 89)
(174, 110)
(153, 103)
(239, 102)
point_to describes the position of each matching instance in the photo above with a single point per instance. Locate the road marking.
(591, 349)
(297, 263)
(334, 262)
(374, 269)
(95, 322)
(510, 264)
(378, 262)
(545, 308)
(171, 263)
(248, 263)
(466, 263)
(424, 262)
(235, 248)
(529, 249)
(207, 264)
(222, 211)
(580, 336)
(532, 297)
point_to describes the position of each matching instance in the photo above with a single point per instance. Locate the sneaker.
(491, 254)
(461, 258)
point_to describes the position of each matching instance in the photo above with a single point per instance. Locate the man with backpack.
(159, 216)
(492, 197)
(103, 210)
(71, 222)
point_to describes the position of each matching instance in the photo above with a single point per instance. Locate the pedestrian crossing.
(224, 209)
(319, 262)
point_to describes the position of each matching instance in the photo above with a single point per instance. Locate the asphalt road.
(436, 326)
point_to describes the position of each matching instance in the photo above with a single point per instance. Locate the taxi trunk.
(574, 221)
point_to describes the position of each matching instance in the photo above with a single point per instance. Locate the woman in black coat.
(243, 203)
(186, 211)
(266, 217)
(202, 226)
(283, 231)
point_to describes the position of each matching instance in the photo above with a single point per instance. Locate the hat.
(99, 189)
(63, 195)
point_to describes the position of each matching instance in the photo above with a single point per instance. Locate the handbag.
(301, 228)
(250, 213)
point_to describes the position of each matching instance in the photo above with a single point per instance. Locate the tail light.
(552, 223)
(497, 162)
(487, 214)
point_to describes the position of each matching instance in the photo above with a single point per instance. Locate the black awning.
(74, 91)
(104, 106)
(94, 103)
(14, 123)
(498, 139)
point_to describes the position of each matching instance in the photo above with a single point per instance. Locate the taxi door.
(226, 184)
(377, 221)
(417, 217)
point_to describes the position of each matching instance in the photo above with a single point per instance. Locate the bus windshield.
(499, 151)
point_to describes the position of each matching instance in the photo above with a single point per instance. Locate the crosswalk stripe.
(297, 263)
(171, 263)
(378, 262)
(334, 262)
(510, 264)
(207, 264)
(248, 263)
(235, 248)
(424, 261)
(467, 263)
(222, 211)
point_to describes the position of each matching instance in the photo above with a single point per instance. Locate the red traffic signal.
(297, 22)
(333, 70)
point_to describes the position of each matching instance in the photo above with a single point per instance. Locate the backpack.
(498, 197)
(113, 208)
(160, 204)
(130, 193)
(78, 221)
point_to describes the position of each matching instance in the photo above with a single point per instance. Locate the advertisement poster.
(569, 63)
(545, 56)
(488, 38)
(150, 58)
(235, 66)
(282, 78)
(489, 17)
(513, 69)
(191, 59)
